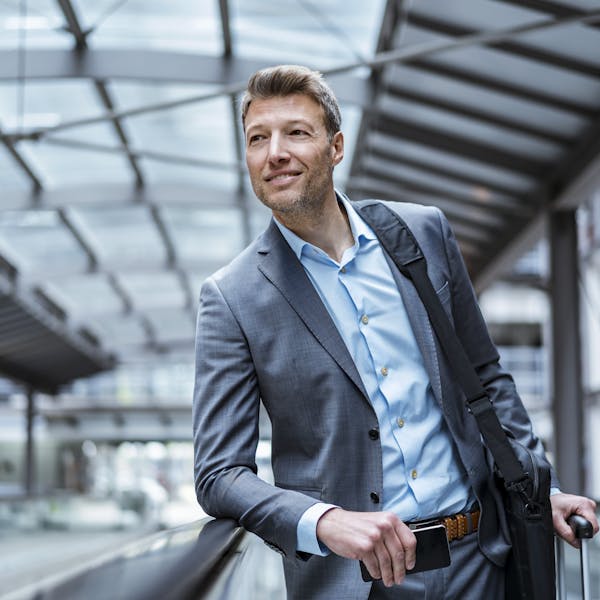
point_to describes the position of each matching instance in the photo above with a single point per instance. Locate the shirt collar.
(360, 230)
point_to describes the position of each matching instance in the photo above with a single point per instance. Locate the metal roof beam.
(129, 309)
(566, 187)
(150, 64)
(241, 196)
(436, 170)
(167, 240)
(477, 114)
(23, 165)
(57, 272)
(135, 155)
(225, 27)
(109, 105)
(387, 31)
(73, 25)
(504, 87)
(389, 191)
(462, 146)
(122, 194)
(478, 211)
(501, 207)
(549, 7)
(512, 47)
(81, 235)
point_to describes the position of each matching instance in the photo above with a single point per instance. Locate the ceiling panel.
(407, 152)
(476, 98)
(518, 144)
(202, 131)
(317, 33)
(171, 325)
(125, 235)
(12, 177)
(205, 235)
(553, 81)
(39, 237)
(39, 26)
(89, 294)
(177, 24)
(155, 290)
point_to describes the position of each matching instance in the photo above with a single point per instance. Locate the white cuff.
(306, 531)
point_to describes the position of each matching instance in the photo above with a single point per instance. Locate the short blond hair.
(285, 80)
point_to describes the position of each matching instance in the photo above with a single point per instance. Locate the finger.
(562, 528)
(372, 564)
(397, 555)
(384, 560)
(409, 544)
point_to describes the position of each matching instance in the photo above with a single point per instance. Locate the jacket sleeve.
(225, 429)
(472, 331)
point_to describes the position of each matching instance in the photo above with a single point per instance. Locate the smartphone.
(433, 551)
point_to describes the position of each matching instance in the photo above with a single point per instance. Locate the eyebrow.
(290, 123)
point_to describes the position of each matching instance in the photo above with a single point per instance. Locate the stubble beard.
(299, 206)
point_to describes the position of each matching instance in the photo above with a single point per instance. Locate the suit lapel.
(282, 268)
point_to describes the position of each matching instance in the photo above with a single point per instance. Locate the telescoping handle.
(581, 527)
(583, 531)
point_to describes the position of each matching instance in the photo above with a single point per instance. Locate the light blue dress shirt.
(422, 474)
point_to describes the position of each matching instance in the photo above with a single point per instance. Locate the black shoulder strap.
(401, 245)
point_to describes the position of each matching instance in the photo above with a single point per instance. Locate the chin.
(282, 201)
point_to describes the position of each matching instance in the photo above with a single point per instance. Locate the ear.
(337, 148)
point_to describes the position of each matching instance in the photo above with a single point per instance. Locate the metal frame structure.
(496, 174)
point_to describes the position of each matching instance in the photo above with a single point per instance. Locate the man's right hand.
(380, 539)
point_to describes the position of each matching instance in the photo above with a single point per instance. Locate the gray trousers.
(470, 576)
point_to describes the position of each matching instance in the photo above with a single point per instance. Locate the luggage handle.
(581, 527)
(583, 531)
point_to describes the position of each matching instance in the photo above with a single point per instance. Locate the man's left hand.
(565, 505)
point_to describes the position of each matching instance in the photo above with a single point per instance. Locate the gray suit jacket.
(263, 333)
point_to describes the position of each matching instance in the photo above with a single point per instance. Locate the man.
(315, 320)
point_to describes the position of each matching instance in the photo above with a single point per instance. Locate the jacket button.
(375, 497)
(374, 434)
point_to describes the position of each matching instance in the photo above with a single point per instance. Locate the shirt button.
(343, 270)
(374, 434)
(384, 371)
(364, 319)
(375, 497)
(414, 474)
(400, 422)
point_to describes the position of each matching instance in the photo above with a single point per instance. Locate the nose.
(278, 151)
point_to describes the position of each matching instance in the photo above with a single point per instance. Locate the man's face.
(289, 156)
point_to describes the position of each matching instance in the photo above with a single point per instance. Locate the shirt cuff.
(306, 531)
(554, 490)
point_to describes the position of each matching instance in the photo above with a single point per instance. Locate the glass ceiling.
(122, 177)
(128, 261)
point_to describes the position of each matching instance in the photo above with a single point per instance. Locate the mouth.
(282, 177)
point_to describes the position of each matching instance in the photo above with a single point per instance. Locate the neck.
(327, 228)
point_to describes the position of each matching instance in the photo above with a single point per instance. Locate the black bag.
(529, 518)
(523, 478)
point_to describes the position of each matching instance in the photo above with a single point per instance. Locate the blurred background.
(123, 185)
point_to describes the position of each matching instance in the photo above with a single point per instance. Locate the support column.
(29, 482)
(566, 352)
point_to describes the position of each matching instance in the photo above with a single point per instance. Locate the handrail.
(179, 564)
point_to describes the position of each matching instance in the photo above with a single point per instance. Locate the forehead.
(270, 112)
